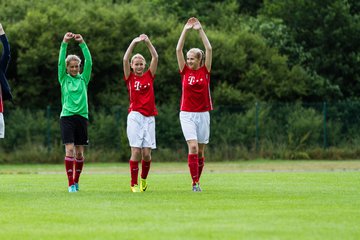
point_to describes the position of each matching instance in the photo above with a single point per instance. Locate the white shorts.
(141, 130)
(195, 126)
(2, 126)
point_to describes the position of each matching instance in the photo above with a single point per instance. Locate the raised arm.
(88, 60)
(62, 55)
(154, 55)
(5, 57)
(180, 45)
(126, 59)
(208, 49)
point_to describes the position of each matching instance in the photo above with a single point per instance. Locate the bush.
(262, 130)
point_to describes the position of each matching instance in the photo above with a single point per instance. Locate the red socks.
(79, 163)
(145, 167)
(201, 165)
(69, 166)
(134, 171)
(193, 163)
(196, 166)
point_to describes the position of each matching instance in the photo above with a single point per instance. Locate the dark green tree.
(328, 32)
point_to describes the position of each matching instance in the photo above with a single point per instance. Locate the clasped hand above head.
(77, 37)
(141, 37)
(193, 23)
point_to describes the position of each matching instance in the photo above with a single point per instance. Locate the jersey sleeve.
(5, 57)
(206, 70)
(182, 72)
(61, 64)
(127, 79)
(152, 77)
(88, 62)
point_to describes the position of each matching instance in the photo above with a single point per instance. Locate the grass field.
(240, 200)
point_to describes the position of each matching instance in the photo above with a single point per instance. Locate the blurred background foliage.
(264, 51)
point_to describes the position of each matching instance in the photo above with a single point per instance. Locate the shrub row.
(263, 130)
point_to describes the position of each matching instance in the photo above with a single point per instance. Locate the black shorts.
(74, 130)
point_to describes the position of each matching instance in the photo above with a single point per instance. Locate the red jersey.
(195, 90)
(141, 93)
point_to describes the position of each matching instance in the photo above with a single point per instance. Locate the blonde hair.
(199, 54)
(70, 58)
(138, 55)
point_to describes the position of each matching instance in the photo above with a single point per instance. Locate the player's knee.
(79, 155)
(136, 154)
(193, 149)
(70, 151)
(147, 157)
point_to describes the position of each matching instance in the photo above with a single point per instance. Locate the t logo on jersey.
(191, 80)
(137, 86)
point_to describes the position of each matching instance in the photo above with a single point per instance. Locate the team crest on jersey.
(138, 86)
(192, 80)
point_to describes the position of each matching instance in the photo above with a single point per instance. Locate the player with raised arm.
(195, 100)
(75, 114)
(142, 110)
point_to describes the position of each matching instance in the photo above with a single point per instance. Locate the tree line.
(273, 51)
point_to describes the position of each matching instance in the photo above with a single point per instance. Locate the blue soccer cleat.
(77, 186)
(72, 188)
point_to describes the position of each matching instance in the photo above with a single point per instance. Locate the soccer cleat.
(77, 186)
(72, 188)
(196, 188)
(135, 188)
(143, 185)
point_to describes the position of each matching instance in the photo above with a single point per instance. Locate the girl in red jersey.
(195, 100)
(142, 109)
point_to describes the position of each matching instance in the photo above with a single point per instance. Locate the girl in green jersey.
(74, 115)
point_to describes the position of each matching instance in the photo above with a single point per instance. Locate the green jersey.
(74, 89)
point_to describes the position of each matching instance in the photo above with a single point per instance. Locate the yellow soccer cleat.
(143, 185)
(135, 188)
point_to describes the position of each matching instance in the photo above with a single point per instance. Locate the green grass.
(240, 200)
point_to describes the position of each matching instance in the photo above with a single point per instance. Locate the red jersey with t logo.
(195, 90)
(141, 93)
